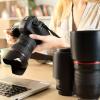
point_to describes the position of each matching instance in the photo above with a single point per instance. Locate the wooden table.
(37, 71)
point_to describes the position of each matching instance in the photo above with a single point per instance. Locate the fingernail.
(31, 35)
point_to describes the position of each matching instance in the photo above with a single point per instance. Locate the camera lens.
(19, 54)
(64, 72)
(85, 47)
(87, 80)
(13, 58)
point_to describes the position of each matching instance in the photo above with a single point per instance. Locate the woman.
(70, 15)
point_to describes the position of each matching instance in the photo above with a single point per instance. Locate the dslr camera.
(21, 51)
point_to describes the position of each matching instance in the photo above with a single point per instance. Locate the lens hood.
(85, 45)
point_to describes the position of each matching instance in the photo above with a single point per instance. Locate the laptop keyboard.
(9, 90)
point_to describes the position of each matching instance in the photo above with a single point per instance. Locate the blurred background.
(12, 11)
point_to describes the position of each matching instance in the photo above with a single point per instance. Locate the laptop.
(15, 88)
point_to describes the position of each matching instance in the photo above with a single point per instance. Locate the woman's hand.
(48, 42)
(9, 37)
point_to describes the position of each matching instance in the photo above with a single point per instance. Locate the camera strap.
(53, 33)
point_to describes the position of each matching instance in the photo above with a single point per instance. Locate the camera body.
(30, 25)
(21, 51)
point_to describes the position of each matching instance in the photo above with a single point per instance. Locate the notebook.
(15, 88)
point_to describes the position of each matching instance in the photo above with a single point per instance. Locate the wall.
(51, 2)
(46, 20)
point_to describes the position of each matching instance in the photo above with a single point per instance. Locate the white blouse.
(90, 20)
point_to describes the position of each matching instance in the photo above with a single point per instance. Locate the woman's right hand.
(48, 42)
